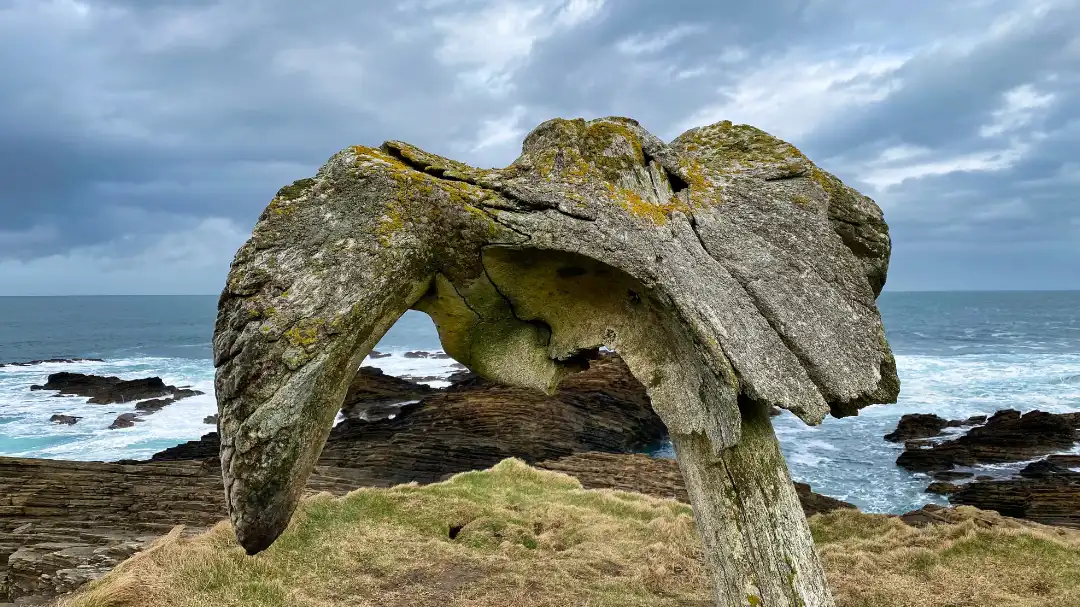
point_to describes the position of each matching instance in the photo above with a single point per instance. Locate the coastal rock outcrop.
(112, 390)
(1007, 436)
(65, 420)
(124, 420)
(1047, 491)
(917, 425)
(476, 423)
(728, 270)
(374, 395)
(63, 523)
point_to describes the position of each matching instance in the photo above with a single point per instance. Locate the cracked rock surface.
(728, 271)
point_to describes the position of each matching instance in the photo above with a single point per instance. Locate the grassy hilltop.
(514, 536)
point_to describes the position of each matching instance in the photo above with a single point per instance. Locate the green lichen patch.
(305, 333)
(728, 147)
(296, 189)
(655, 212)
(579, 151)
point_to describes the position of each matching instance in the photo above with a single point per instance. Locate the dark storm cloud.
(141, 139)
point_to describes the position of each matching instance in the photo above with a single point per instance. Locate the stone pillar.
(757, 543)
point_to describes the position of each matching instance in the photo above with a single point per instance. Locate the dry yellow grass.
(525, 537)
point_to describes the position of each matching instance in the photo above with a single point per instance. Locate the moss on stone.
(305, 333)
(656, 212)
(296, 189)
(726, 146)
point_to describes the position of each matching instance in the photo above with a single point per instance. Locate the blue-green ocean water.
(959, 354)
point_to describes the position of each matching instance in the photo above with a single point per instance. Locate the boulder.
(210, 419)
(1007, 436)
(153, 405)
(372, 391)
(917, 425)
(65, 420)
(112, 390)
(728, 270)
(124, 420)
(942, 488)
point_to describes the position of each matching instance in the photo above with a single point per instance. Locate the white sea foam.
(846, 458)
(25, 429)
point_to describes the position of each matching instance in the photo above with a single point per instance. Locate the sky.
(140, 140)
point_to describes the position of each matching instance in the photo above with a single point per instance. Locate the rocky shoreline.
(150, 394)
(63, 523)
(1046, 490)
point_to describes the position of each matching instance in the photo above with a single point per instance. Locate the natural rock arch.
(730, 272)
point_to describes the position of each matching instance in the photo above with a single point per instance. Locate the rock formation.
(1047, 491)
(729, 272)
(64, 523)
(65, 420)
(475, 424)
(1007, 436)
(917, 425)
(112, 390)
(374, 394)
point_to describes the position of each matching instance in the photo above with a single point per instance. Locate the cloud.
(137, 136)
(501, 130)
(642, 44)
(192, 260)
(789, 95)
(1017, 110)
(492, 42)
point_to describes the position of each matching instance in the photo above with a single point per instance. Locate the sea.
(958, 354)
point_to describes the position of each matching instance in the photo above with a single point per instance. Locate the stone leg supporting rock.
(756, 539)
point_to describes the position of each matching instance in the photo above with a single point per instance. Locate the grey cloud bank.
(140, 140)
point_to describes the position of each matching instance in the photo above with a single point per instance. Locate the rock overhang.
(725, 267)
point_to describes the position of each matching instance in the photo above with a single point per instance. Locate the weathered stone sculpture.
(729, 272)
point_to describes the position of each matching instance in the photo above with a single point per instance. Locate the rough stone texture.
(942, 488)
(111, 390)
(475, 424)
(124, 420)
(1048, 492)
(728, 271)
(374, 394)
(917, 425)
(66, 420)
(1007, 436)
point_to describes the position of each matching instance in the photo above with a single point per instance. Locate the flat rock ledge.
(1046, 491)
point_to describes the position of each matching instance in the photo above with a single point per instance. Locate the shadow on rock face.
(729, 272)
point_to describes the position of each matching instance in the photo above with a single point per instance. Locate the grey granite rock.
(729, 272)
